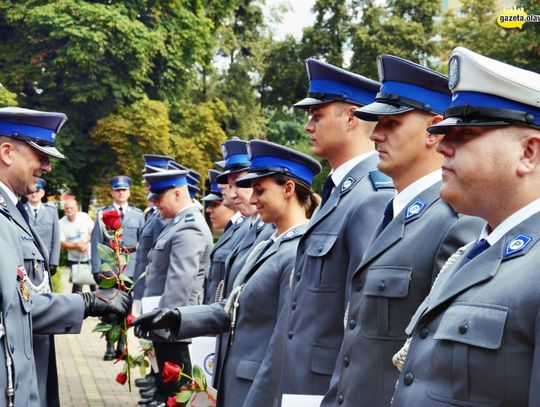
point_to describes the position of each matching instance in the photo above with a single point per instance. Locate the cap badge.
(224, 150)
(453, 72)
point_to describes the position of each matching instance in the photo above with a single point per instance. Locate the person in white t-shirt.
(75, 231)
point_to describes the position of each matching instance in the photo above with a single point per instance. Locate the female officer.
(281, 179)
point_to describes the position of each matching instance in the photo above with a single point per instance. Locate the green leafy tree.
(7, 98)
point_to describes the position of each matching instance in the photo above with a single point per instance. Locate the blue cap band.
(158, 162)
(290, 167)
(354, 94)
(214, 188)
(480, 99)
(169, 183)
(14, 129)
(117, 185)
(438, 102)
(237, 159)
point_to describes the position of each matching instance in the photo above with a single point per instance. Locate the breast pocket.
(468, 354)
(30, 250)
(385, 288)
(247, 369)
(323, 276)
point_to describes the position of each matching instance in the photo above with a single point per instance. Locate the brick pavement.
(85, 380)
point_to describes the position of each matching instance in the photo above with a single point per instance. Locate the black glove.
(52, 270)
(159, 319)
(106, 301)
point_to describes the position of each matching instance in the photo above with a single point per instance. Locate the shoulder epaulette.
(135, 209)
(380, 180)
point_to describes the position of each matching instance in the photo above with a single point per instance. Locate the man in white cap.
(475, 340)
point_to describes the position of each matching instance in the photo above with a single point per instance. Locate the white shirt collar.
(11, 195)
(124, 207)
(340, 172)
(402, 199)
(510, 222)
(235, 217)
(38, 207)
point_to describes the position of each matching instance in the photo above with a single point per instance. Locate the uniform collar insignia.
(260, 225)
(239, 220)
(414, 209)
(517, 244)
(347, 184)
(290, 234)
(3, 203)
(176, 219)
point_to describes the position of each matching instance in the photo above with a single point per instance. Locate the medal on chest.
(22, 279)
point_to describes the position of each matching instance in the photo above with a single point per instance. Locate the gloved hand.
(159, 319)
(106, 301)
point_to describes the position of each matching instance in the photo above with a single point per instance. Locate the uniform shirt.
(78, 230)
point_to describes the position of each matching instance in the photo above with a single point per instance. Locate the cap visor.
(372, 111)
(245, 181)
(220, 163)
(49, 150)
(444, 126)
(308, 102)
(212, 197)
(223, 177)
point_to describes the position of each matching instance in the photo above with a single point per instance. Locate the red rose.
(112, 220)
(129, 320)
(171, 402)
(171, 372)
(121, 378)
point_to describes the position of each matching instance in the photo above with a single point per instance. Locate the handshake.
(157, 319)
(105, 302)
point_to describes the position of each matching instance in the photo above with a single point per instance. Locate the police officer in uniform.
(414, 239)
(177, 261)
(252, 230)
(476, 337)
(281, 179)
(44, 220)
(26, 142)
(233, 233)
(353, 201)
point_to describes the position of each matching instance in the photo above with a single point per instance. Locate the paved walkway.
(85, 379)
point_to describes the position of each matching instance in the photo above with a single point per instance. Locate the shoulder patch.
(517, 244)
(347, 184)
(414, 208)
(380, 180)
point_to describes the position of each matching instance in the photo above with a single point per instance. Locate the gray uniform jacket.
(131, 226)
(394, 277)
(333, 244)
(50, 313)
(252, 364)
(223, 247)
(179, 259)
(151, 229)
(476, 338)
(47, 227)
(257, 232)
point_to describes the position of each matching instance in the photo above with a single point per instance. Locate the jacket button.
(352, 324)
(340, 399)
(293, 306)
(463, 328)
(298, 276)
(320, 249)
(12, 348)
(424, 332)
(408, 379)
(358, 286)
(346, 361)
(291, 334)
(382, 285)
(68, 327)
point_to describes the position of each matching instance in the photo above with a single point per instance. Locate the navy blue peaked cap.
(120, 182)
(164, 180)
(215, 193)
(193, 177)
(236, 158)
(270, 158)
(328, 83)
(157, 160)
(406, 86)
(37, 128)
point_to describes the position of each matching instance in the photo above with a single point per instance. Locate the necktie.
(229, 224)
(481, 245)
(121, 212)
(35, 213)
(23, 212)
(388, 214)
(327, 189)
